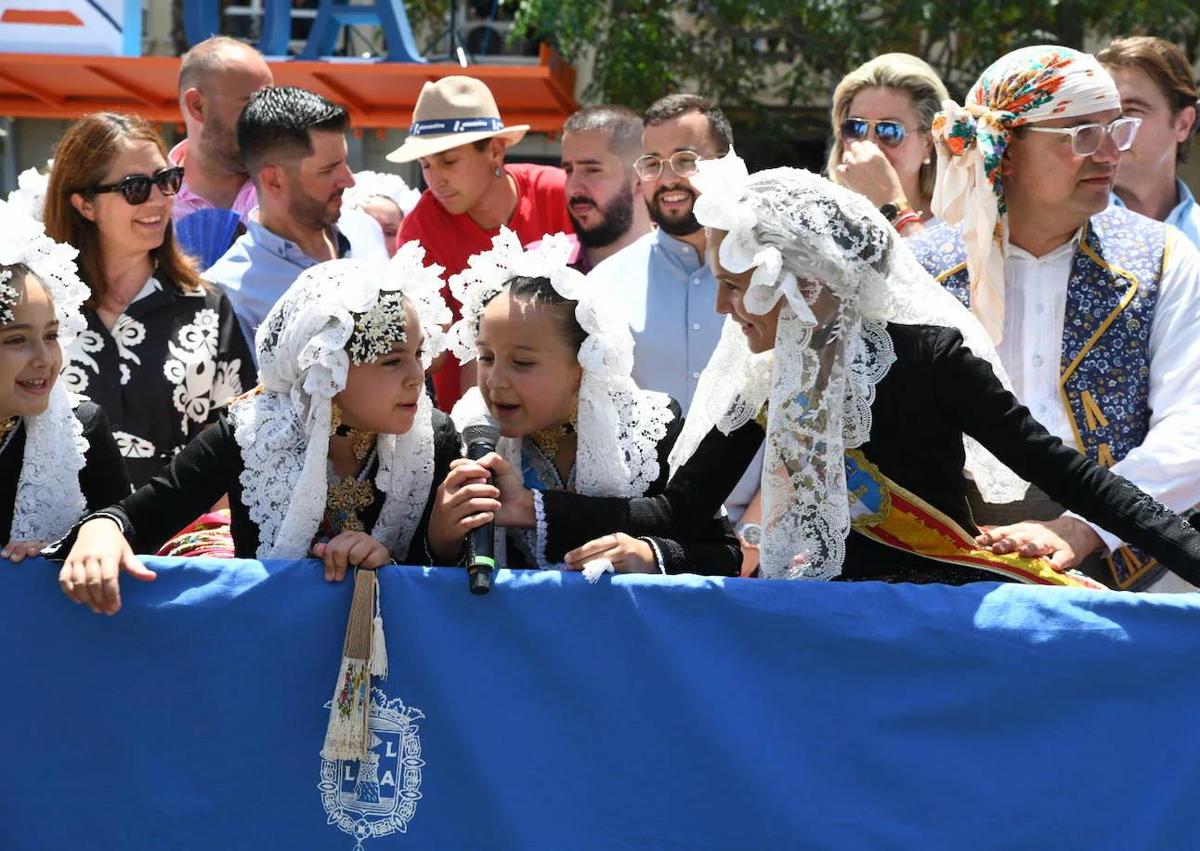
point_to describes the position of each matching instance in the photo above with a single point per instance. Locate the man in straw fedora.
(459, 139)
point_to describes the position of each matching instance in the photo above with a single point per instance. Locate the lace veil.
(620, 425)
(842, 274)
(49, 498)
(335, 314)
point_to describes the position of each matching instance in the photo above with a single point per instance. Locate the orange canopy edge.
(377, 94)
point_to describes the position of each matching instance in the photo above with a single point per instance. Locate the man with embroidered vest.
(459, 139)
(1092, 307)
(1157, 85)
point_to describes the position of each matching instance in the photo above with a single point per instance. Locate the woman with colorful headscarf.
(863, 377)
(337, 453)
(57, 454)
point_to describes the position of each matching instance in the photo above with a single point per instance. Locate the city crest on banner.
(377, 796)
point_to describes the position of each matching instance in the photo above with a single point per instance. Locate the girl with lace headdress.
(338, 452)
(863, 377)
(554, 362)
(57, 454)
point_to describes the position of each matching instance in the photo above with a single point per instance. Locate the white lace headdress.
(337, 313)
(30, 194)
(843, 274)
(370, 183)
(49, 499)
(619, 425)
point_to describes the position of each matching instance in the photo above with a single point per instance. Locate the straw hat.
(450, 112)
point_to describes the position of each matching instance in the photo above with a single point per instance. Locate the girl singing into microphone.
(554, 361)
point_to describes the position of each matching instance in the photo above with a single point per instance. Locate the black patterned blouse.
(162, 372)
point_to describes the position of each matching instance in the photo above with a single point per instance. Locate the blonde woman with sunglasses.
(882, 148)
(162, 352)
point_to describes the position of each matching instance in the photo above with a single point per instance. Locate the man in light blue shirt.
(294, 144)
(1158, 86)
(662, 280)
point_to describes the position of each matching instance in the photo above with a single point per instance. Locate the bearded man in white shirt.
(1092, 307)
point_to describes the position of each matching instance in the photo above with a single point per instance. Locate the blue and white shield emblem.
(377, 796)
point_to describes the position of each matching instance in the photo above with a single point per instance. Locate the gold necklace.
(548, 439)
(8, 427)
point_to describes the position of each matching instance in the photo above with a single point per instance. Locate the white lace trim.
(284, 432)
(832, 348)
(539, 513)
(49, 497)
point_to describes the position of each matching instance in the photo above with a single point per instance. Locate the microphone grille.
(485, 432)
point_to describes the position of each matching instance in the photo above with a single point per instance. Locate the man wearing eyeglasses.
(1092, 307)
(663, 280)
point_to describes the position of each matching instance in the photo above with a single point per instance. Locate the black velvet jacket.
(211, 465)
(936, 391)
(103, 478)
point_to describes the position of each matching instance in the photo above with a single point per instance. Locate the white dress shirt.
(1167, 464)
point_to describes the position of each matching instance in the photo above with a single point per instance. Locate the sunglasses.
(889, 133)
(136, 187)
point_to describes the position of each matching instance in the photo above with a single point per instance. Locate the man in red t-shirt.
(459, 139)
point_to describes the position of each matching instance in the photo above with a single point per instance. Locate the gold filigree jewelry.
(335, 416)
(548, 439)
(362, 442)
(346, 498)
(8, 427)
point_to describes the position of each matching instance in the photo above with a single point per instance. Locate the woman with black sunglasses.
(882, 148)
(162, 351)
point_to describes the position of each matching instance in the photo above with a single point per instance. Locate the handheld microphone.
(480, 438)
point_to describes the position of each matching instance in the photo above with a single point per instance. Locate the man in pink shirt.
(460, 141)
(216, 79)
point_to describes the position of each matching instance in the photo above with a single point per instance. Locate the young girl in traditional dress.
(337, 453)
(57, 455)
(554, 361)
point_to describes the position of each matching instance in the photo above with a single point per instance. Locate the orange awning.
(377, 94)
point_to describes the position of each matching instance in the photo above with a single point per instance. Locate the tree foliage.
(789, 53)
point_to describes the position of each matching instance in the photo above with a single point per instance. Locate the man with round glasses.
(1092, 307)
(662, 280)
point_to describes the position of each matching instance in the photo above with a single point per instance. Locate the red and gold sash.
(894, 516)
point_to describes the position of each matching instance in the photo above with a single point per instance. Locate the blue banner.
(643, 712)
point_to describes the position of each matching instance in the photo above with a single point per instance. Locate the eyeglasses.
(136, 187)
(650, 167)
(889, 133)
(1086, 139)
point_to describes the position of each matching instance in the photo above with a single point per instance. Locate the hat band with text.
(455, 125)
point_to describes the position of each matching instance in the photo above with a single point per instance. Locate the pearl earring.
(499, 172)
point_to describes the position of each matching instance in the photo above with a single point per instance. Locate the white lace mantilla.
(284, 432)
(49, 498)
(842, 274)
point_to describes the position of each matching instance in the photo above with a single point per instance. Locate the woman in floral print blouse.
(162, 352)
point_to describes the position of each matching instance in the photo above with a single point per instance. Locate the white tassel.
(379, 659)
(597, 567)
(347, 737)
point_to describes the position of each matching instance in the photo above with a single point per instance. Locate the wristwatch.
(750, 534)
(890, 211)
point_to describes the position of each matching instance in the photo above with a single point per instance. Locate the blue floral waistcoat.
(1105, 376)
